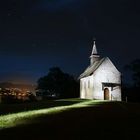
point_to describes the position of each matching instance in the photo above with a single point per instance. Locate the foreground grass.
(20, 107)
(84, 119)
(15, 119)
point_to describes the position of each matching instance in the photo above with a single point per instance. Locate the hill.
(74, 119)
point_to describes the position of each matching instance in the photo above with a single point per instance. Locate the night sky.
(38, 34)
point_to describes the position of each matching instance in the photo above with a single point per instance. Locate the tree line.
(132, 92)
(58, 84)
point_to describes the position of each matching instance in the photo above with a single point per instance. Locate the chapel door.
(106, 94)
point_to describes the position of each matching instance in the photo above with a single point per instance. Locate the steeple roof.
(94, 55)
(94, 50)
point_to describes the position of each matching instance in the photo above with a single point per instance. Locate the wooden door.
(106, 94)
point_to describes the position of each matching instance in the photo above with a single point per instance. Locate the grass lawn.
(19, 107)
(70, 119)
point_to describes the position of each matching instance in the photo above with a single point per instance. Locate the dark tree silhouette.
(132, 93)
(134, 67)
(58, 84)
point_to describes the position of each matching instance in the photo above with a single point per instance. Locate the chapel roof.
(92, 68)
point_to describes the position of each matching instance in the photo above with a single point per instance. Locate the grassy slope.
(13, 108)
(102, 120)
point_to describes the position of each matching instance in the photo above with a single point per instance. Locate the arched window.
(88, 83)
(84, 84)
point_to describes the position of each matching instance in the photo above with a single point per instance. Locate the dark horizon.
(38, 35)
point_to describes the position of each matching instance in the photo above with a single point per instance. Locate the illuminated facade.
(101, 80)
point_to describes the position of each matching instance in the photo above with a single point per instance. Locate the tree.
(132, 92)
(134, 67)
(57, 83)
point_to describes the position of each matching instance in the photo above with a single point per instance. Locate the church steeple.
(94, 55)
(94, 50)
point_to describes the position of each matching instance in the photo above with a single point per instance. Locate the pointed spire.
(94, 50)
(94, 55)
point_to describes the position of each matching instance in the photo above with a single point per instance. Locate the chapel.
(101, 80)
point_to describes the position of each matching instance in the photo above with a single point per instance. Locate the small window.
(88, 83)
(85, 85)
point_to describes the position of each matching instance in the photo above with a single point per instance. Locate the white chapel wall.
(106, 73)
(86, 87)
